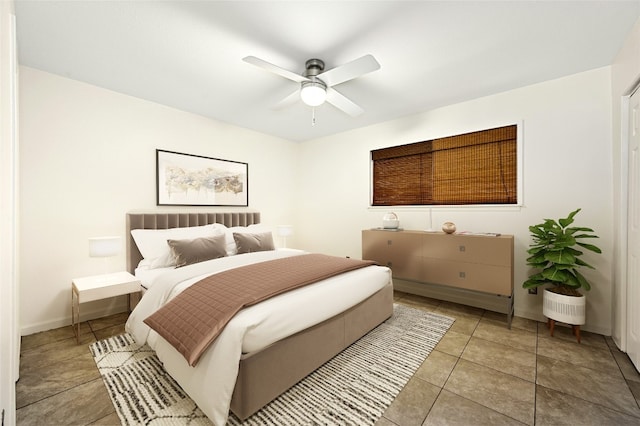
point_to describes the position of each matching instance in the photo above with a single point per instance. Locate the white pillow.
(153, 246)
(228, 237)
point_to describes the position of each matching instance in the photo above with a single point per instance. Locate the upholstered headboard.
(179, 220)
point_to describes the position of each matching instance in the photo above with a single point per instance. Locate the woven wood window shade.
(474, 168)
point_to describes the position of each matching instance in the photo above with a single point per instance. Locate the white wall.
(625, 75)
(567, 164)
(88, 157)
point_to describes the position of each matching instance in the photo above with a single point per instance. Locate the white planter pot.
(566, 309)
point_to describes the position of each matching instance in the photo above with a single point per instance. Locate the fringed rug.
(353, 388)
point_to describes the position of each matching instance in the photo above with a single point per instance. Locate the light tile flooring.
(481, 373)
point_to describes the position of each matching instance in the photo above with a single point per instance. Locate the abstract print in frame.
(194, 180)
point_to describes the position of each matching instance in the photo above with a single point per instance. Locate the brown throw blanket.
(192, 320)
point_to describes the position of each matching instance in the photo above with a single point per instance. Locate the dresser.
(470, 269)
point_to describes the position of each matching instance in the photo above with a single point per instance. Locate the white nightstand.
(98, 287)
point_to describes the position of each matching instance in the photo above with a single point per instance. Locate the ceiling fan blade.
(343, 103)
(275, 69)
(350, 70)
(288, 100)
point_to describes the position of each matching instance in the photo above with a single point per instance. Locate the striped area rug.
(353, 388)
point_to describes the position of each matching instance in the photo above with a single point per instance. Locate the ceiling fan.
(316, 84)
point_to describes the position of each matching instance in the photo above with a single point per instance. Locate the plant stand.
(551, 323)
(566, 309)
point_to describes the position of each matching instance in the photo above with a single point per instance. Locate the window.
(469, 169)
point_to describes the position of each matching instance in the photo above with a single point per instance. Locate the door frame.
(621, 311)
(9, 323)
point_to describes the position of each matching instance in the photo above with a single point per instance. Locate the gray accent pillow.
(248, 243)
(197, 250)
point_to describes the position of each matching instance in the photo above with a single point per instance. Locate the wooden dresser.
(471, 269)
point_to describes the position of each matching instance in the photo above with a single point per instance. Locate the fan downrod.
(313, 67)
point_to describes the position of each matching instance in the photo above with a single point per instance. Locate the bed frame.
(264, 375)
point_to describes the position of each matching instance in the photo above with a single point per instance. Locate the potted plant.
(555, 254)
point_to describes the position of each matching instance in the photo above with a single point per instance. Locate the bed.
(257, 357)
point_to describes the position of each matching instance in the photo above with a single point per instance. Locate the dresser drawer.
(400, 251)
(375, 246)
(491, 279)
(469, 248)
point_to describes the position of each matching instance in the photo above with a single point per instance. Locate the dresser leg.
(551, 324)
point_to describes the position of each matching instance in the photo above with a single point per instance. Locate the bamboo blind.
(473, 168)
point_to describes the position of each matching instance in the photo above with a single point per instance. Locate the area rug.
(353, 388)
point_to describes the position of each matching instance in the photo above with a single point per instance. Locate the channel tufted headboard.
(179, 220)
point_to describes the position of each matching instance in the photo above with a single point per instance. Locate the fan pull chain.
(313, 117)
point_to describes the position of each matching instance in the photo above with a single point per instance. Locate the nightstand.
(98, 287)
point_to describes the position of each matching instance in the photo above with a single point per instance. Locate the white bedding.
(210, 383)
(148, 276)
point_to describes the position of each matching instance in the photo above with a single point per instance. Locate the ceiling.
(188, 54)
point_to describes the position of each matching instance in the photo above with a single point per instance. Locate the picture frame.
(194, 180)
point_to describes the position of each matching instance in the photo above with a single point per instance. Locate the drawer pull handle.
(462, 274)
(461, 248)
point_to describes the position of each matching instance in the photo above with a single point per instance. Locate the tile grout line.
(623, 375)
(58, 393)
(445, 382)
(535, 379)
(481, 365)
(538, 332)
(593, 348)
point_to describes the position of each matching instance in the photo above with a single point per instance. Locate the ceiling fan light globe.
(313, 94)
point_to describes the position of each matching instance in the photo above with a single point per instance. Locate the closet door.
(633, 226)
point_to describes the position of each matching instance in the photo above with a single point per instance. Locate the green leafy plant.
(555, 253)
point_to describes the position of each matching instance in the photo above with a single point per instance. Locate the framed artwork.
(194, 180)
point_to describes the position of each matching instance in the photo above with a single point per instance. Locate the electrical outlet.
(533, 290)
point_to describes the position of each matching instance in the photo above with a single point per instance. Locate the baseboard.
(479, 300)
(532, 315)
(66, 321)
(537, 316)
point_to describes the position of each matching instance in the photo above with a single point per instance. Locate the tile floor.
(481, 373)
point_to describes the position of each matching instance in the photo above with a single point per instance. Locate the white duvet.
(210, 383)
